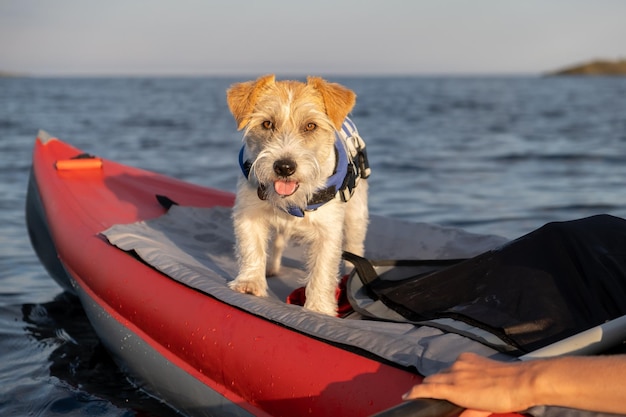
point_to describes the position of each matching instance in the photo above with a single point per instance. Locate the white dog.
(302, 159)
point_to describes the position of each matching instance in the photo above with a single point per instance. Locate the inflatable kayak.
(149, 257)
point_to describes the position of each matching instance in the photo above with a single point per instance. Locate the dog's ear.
(242, 97)
(338, 100)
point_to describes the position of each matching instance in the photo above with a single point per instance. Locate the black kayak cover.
(554, 282)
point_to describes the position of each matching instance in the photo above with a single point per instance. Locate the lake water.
(497, 155)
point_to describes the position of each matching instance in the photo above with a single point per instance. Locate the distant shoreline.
(594, 68)
(4, 74)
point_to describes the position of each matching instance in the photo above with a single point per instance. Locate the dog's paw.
(248, 286)
(328, 308)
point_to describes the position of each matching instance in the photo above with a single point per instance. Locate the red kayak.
(198, 353)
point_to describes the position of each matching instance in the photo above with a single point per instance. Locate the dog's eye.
(268, 125)
(309, 127)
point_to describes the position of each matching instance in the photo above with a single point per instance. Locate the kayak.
(191, 341)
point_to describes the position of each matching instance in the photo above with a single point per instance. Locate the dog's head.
(289, 133)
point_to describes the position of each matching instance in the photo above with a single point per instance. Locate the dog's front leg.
(276, 253)
(252, 234)
(323, 265)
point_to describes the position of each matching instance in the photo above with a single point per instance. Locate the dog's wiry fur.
(289, 133)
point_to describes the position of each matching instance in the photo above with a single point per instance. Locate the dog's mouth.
(285, 187)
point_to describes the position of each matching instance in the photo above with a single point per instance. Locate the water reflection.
(79, 360)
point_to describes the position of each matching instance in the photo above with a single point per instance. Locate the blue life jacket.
(350, 165)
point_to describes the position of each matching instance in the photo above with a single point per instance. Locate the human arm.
(483, 385)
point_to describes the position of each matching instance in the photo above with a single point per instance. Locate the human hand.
(482, 386)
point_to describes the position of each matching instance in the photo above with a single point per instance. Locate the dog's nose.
(285, 167)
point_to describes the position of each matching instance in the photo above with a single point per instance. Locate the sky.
(323, 37)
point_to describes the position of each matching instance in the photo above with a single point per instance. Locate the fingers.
(434, 386)
(472, 382)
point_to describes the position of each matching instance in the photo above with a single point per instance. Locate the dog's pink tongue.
(285, 187)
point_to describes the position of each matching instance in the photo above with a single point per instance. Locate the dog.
(299, 180)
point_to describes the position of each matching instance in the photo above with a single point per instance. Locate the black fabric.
(366, 271)
(370, 279)
(555, 282)
(165, 201)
